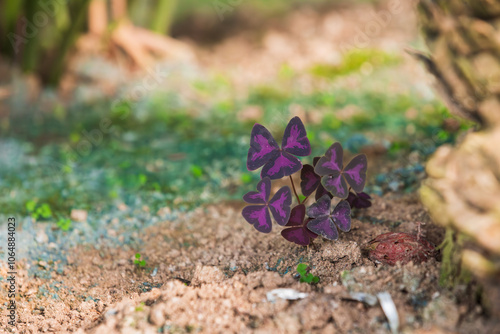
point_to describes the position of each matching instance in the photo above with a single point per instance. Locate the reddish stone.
(392, 247)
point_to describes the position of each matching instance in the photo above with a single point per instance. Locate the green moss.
(353, 61)
(452, 272)
(267, 94)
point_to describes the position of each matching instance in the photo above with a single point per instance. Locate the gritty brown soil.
(213, 271)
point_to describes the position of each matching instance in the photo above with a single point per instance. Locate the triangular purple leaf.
(261, 195)
(312, 235)
(309, 180)
(297, 215)
(298, 235)
(341, 215)
(355, 172)
(283, 164)
(323, 226)
(263, 147)
(280, 205)
(259, 217)
(320, 208)
(361, 200)
(295, 138)
(335, 184)
(331, 162)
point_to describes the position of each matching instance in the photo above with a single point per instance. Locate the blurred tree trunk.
(41, 34)
(69, 38)
(463, 38)
(462, 191)
(98, 18)
(162, 17)
(9, 12)
(31, 55)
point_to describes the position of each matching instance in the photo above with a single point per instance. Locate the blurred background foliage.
(41, 34)
(182, 147)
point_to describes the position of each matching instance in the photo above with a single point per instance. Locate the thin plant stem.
(294, 191)
(305, 199)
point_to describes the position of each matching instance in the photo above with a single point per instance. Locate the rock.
(41, 237)
(78, 215)
(156, 316)
(207, 275)
(390, 248)
(43, 264)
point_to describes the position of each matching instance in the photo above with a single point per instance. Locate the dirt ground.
(208, 271)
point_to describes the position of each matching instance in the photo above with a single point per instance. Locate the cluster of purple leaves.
(328, 177)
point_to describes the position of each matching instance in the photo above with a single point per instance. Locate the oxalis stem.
(294, 191)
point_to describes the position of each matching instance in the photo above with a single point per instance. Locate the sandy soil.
(209, 271)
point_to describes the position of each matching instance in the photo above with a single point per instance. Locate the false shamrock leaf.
(279, 205)
(310, 181)
(278, 162)
(335, 177)
(325, 222)
(297, 231)
(360, 200)
(321, 192)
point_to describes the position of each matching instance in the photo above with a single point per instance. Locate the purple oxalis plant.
(325, 220)
(258, 215)
(278, 162)
(297, 230)
(328, 177)
(335, 176)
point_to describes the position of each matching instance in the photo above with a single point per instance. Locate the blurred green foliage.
(64, 224)
(176, 153)
(41, 34)
(452, 272)
(355, 60)
(36, 211)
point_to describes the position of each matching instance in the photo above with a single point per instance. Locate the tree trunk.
(463, 38)
(463, 187)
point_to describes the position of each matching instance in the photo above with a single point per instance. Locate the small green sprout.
(196, 171)
(140, 263)
(304, 276)
(64, 224)
(38, 211)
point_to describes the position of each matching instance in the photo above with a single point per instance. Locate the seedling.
(138, 262)
(64, 224)
(38, 211)
(304, 276)
(328, 177)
